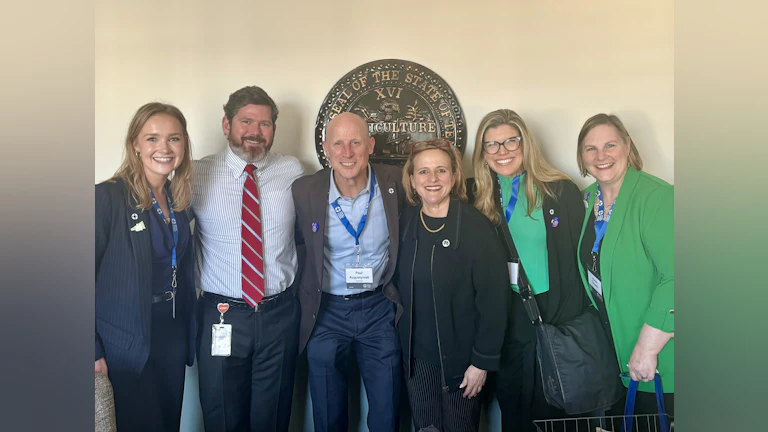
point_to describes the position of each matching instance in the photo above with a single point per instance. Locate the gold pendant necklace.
(421, 215)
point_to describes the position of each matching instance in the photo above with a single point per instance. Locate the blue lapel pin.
(315, 227)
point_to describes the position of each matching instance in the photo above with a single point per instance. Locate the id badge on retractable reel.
(221, 340)
(359, 276)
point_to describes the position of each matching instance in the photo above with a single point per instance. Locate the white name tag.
(359, 278)
(595, 283)
(221, 342)
(513, 272)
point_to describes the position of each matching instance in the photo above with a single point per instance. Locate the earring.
(629, 162)
(584, 173)
(138, 155)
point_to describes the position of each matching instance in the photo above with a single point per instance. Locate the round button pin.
(446, 243)
(134, 216)
(391, 190)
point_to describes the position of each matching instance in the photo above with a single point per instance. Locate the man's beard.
(249, 155)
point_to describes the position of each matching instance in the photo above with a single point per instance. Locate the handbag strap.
(629, 406)
(524, 287)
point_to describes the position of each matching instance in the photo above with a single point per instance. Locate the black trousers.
(252, 389)
(152, 400)
(433, 407)
(520, 392)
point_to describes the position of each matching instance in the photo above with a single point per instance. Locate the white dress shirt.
(217, 198)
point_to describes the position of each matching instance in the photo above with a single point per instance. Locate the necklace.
(421, 215)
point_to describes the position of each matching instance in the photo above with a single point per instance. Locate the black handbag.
(579, 370)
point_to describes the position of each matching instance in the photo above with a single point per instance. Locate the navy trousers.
(368, 324)
(252, 389)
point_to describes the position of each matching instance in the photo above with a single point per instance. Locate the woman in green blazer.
(626, 256)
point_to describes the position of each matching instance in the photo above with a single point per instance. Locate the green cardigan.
(637, 267)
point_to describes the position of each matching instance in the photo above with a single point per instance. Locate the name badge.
(221, 342)
(359, 277)
(513, 272)
(595, 283)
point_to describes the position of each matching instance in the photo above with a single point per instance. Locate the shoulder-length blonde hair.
(539, 172)
(459, 188)
(635, 160)
(132, 171)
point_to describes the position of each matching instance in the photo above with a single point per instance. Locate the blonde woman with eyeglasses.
(537, 213)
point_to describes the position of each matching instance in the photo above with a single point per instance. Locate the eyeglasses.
(511, 144)
(439, 143)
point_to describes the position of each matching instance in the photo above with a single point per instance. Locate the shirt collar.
(334, 194)
(237, 165)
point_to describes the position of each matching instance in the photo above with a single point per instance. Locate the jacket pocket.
(113, 335)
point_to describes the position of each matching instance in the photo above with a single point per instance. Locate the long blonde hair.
(539, 172)
(132, 171)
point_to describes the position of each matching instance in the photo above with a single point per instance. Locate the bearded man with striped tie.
(246, 266)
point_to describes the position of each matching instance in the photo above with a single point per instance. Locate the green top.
(637, 267)
(529, 234)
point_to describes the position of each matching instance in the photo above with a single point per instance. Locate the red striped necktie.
(252, 246)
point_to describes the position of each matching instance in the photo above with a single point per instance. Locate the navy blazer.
(124, 281)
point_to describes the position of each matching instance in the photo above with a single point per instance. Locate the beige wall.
(554, 62)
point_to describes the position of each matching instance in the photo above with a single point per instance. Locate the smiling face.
(504, 162)
(160, 144)
(348, 147)
(251, 132)
(605, 154)
(433, 177)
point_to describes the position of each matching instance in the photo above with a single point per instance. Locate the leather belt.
(166, 296)
(267, 303)
(361, 295)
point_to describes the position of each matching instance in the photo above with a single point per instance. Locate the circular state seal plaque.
(402, 102)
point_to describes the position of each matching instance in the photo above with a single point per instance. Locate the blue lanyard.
(173, 226)
(361, 225)
(601, 221)
(513, 198)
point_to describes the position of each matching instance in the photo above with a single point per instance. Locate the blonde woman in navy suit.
(144, 272)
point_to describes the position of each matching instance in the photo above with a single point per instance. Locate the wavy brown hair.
(539, 172)
(635, 160)
(459, 188)
(132, 170)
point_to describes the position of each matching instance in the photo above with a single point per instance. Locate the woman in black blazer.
(453, 281)
(145, 286)
(538, 213)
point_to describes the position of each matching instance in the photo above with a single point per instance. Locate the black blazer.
(124, 281)
(310, 197)
(471, 286)
(566, 298)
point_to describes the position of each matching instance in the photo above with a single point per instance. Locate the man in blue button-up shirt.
(346, 292)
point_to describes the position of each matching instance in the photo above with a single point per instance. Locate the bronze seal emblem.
(403, 103)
